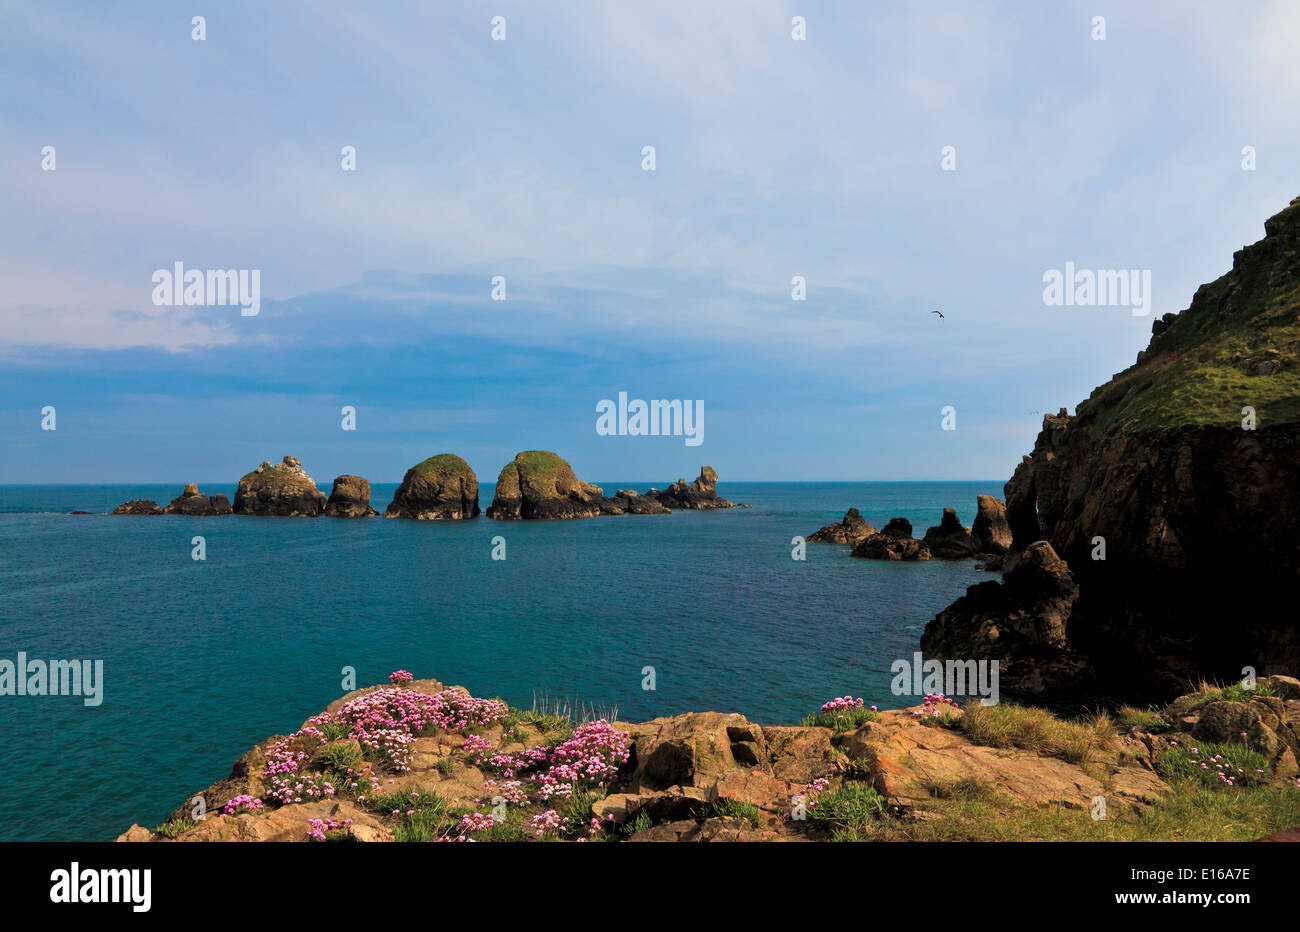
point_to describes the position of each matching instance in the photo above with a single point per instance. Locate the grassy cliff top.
(1237, 345)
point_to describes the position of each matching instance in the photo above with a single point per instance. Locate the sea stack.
(699, 495)
(950, 540)
(194, 503)
(851, 529)
(441, 488)
(538, 484)
(350, 498)
(280, 490)
(990, 532)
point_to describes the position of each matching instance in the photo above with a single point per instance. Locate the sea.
(204, 659)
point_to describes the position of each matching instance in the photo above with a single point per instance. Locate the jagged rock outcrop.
(990, 532)
(350, 498)
(538, 484)
(849, 530)
(634, 503)
(895, 542)
(282, 490)
(441, 488)
(1021, 622)
(137, 506)
(950, 540)
(194, 503)
(699, 495)
(1173, 494)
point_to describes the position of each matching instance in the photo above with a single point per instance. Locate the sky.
(478, 157)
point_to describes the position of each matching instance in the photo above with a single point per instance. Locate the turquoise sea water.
(204, 659)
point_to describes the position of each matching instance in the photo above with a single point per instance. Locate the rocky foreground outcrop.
(441, 488)
(701, 776)
(350, 498)
(1173, 497)
(281, 490)
(848, 530)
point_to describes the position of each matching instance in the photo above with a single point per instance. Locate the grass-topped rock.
(441, 488)
(539, 484)
(282, 489)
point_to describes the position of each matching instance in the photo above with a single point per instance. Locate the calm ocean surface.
(204, 659)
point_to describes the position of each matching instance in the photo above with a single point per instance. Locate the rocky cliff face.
(1172, 499)
(441, 488)
(283, 489)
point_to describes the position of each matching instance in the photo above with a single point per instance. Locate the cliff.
(1171, 497)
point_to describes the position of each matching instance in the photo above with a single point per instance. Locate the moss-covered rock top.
(442, 487)
(538, 474)
(444, 466)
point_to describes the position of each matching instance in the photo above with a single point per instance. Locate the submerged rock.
(441, 488)
(851, 529)
(282, 490)
(350, 498)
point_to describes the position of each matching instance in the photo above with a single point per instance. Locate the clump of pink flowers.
(841, 703)
(935, 705)
(512, 791)
(245, 802)
(320, 826)
(548, 821)
(400, 677)
(592, 755)
(456, 710)
(477, 749)
(476, 822)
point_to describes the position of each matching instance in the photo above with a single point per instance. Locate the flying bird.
(940, 313)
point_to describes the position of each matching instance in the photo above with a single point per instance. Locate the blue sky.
(522, 158)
